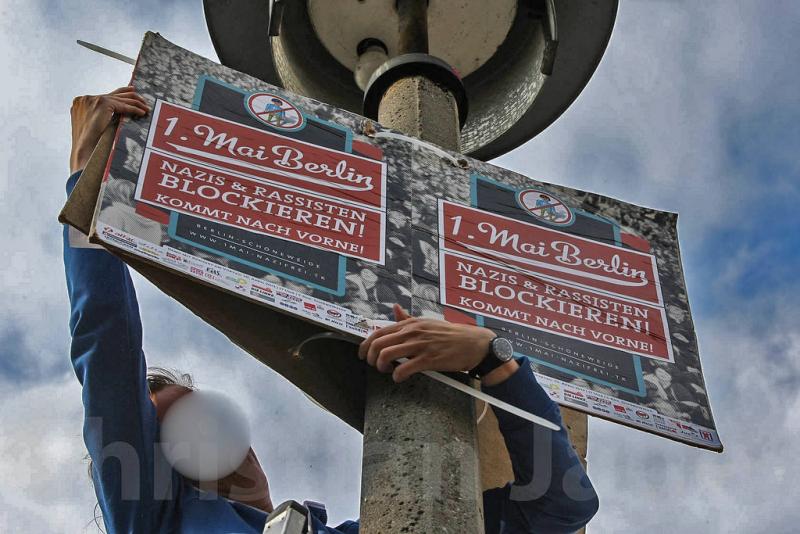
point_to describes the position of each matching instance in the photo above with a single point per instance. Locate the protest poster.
(325, 215)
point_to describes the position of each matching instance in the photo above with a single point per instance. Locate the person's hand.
(91, 114)
(429, 345)
(248, 484)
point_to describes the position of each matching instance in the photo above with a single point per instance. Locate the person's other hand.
(429, 345)
(248, 484)
(91, 114)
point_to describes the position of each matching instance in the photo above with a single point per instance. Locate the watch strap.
(489, 363)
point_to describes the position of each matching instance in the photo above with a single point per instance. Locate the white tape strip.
(374, 324)
(497, 403)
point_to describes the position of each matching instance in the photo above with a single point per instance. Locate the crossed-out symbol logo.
(275, 111)
(545, 207)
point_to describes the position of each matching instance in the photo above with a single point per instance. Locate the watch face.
(502, 348)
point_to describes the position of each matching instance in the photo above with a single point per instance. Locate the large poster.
(327, 216)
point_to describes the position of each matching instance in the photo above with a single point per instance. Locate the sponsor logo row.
(615, 408)
(275, 295)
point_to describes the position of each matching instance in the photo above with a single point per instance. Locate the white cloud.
(677, 81)
(651, 485)
(45, 487)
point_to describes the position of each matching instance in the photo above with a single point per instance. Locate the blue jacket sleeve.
(120, 425)
(551, 491)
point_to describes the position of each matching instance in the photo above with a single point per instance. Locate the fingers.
(384, 342)
(125, 89)
(430, 343)
(363, 349)
(410, 367)
(123, 101)
(124, 108)
(131, 96)
(387, 356)
(127, 105)
(128, 91)
(400, 314)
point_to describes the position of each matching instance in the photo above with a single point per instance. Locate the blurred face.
(248, 484)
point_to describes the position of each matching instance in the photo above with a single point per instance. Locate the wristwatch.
(500, 351)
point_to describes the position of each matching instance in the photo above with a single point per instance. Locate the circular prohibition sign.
(545, 207)
(275, 111)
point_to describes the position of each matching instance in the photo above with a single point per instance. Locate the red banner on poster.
(540, 250)
(261, 207)
(262, 154)
(525, 299)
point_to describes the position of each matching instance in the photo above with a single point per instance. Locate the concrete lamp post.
(472, 76)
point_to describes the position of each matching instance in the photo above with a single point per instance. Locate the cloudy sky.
(694, 109)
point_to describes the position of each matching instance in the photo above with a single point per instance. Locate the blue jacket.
(139, 492)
